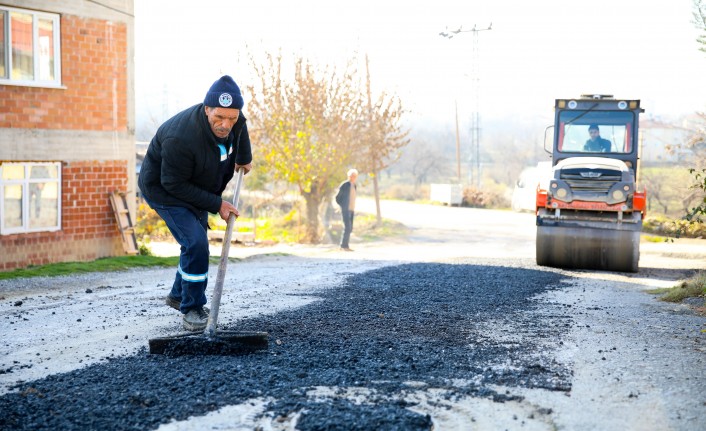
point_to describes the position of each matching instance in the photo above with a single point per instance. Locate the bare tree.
(305, 127)
(510, 155)
(656, 182)
(699, 21)
(314, 123)
(423, 160)
(697, 142)
(147, 125)
(385, 135)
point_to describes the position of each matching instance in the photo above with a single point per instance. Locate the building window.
(30, 48)
(30, 197)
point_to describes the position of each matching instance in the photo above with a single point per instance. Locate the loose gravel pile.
(456, 327)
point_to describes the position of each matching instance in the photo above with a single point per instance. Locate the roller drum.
(574, 247)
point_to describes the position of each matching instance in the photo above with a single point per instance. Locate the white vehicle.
(524, 196)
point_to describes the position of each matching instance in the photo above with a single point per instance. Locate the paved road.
(542, 348)
(467, 231)
(507, 234)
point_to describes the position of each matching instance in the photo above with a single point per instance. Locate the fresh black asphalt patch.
(380, 330)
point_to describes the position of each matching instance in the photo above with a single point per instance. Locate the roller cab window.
(595, 132)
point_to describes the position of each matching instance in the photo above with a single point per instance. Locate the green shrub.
(485, 198)
(150, 225)
(662, 225)
(405, 192)
(144, 249)
(287, 228)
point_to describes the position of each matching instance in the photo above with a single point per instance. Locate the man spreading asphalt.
(188, 164)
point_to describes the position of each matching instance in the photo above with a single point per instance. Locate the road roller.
(590, 210)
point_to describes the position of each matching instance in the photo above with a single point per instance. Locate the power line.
(475, 78)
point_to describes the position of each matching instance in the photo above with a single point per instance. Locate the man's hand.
(245, 167)
(226, 209)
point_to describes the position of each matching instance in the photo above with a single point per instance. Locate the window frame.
(36, 52)
(25, 183)
(604, 119)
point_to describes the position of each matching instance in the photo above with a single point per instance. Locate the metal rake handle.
(218, 288)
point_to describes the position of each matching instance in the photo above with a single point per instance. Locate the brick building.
(66, 128)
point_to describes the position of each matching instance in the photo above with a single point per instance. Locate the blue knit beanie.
(224, 93)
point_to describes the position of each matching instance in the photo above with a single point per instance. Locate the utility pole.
(374, 167)
(458, 147)
(475, 116)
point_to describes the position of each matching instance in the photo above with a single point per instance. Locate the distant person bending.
(188, 164)
(345, 198)
(596, 144)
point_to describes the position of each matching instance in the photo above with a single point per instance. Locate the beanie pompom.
(224, 93)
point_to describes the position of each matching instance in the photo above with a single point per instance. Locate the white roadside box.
(449, 194)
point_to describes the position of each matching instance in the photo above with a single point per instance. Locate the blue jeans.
(347, 217)
(189, 230)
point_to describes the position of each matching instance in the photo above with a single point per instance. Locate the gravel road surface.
(450, 328)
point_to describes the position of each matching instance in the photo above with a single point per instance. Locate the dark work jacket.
(181, 164)
(599, 145)
(343, 197)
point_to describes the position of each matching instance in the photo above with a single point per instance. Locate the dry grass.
(694, 287)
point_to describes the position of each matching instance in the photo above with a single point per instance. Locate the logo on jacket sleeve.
(225, 100)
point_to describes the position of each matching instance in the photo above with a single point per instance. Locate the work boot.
(176, 304)
(173, 302)
(196, 319)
